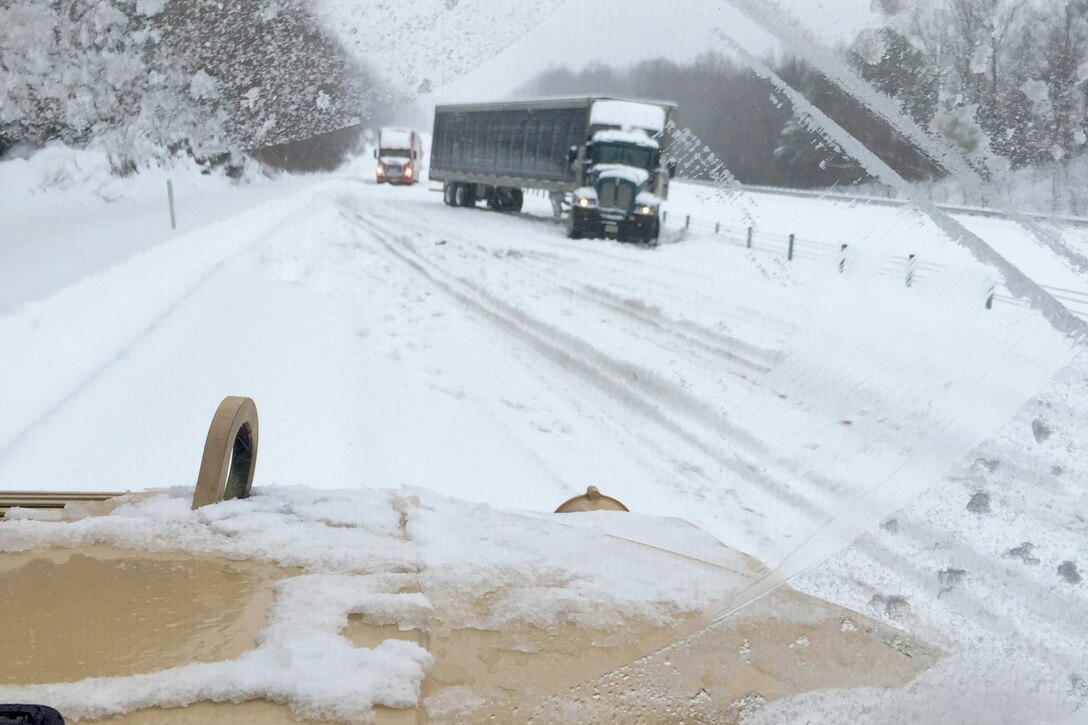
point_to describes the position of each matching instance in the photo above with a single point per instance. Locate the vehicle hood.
(635, 175)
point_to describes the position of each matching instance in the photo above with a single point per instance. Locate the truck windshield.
(396, 153)
(628, 155)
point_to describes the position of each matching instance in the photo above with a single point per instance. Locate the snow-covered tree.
(147, 78)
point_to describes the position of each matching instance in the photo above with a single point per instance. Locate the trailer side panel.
(524, 143)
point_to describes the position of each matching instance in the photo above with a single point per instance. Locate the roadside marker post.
(170, 198)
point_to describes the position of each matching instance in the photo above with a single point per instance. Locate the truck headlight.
(647, 209)
(583, 202)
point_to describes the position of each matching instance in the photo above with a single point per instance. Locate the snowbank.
(85, 176)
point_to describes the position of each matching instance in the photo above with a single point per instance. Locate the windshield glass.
(782, 303)
(614, 153)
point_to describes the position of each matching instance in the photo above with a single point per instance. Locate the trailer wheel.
(447, 193)
(517, 198)
(465, 195)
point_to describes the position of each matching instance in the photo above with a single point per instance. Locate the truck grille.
(615, 195)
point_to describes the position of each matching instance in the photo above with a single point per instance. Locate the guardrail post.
(749, 245)
(664, 217)
(687, 221)
(170, 198)
(717, 227)
(842, 258)
(789, 250)
(910, 269)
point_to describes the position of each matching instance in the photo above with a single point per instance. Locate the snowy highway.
(391, 341)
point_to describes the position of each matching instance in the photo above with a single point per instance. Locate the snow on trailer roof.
(554, 102)
(395, 138)
(628, 115)
(639, 138)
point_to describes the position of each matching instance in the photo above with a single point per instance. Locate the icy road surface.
(390, 341)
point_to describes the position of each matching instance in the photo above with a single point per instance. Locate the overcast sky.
(479, 50)
(622, 32)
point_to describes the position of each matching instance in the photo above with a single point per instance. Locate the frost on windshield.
(842, 363)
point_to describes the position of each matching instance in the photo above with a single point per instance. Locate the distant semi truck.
(599, 158)
(399, 155)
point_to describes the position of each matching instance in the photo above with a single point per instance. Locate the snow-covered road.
(392, 341)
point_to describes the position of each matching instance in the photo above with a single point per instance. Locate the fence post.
(717, 227)
(664, 216)
(687, 221)
(170, 198)
(910, 269)
(749, 245)
(789, 250)
(842, 258)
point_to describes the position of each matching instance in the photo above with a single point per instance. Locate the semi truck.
(598, 158)
(400, 155)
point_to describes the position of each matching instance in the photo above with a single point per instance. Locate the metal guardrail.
(885, 201)
(909, 269)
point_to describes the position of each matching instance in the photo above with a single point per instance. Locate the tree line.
(1005, 81)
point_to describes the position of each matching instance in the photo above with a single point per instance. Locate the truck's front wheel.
(653, 233)
(574, 229)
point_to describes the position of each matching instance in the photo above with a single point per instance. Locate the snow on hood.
(638, 138)
(647, 198)
(628, 115)
(354, 547)
(635, 175)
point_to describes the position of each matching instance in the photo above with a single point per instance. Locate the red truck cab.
(399, 155)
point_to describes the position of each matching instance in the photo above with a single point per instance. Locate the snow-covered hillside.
(792, 411)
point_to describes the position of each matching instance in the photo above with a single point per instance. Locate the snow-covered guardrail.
(909, 269)
(833, 194)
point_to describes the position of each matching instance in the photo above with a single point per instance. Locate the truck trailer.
(598, 158)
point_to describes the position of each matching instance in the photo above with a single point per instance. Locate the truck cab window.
(623, 154)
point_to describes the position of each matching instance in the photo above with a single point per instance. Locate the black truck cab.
(622, 172)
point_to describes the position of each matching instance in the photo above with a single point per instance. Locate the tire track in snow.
(639, 390)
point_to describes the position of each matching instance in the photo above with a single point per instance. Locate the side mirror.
(572, 154)
(671, 166)
(30, 715)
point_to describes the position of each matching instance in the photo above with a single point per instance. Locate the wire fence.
(909, 269)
